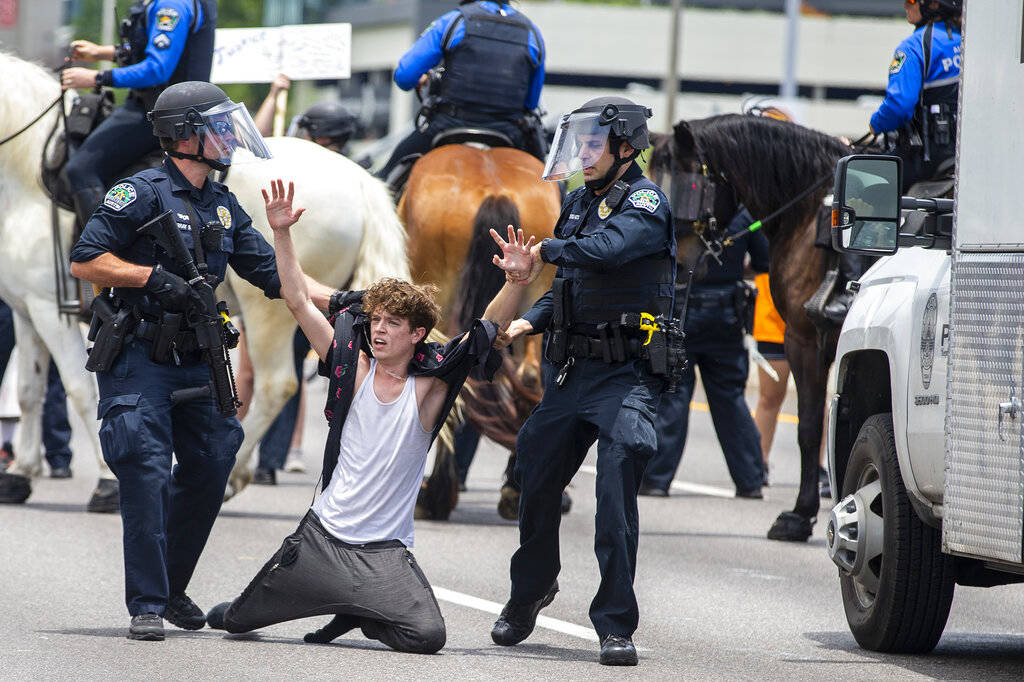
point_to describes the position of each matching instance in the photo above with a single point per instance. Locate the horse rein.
(731, 239)
(35, 120)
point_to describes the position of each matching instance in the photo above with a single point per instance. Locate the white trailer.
(926, 432)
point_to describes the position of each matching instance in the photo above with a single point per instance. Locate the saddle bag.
(87, 112)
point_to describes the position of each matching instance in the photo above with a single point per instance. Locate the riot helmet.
(945, 9)
(203, 109)
(328, 119)
(583, 134)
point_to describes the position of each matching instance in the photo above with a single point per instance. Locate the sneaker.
(293, 464)
(184, 613)
(147, 627)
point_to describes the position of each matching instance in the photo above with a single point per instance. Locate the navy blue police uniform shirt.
(136, 200)
(589, 236)
(733, 257)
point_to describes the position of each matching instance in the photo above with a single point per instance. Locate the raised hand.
(279, 206)
(519, 258)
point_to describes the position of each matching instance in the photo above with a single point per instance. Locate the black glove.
(169, 289)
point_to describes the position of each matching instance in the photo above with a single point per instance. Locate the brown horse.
(766, 164)
(454, 195)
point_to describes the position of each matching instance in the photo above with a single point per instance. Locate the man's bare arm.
(294, 290)
(107, 270)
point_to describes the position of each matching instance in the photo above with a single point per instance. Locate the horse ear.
(686, 145)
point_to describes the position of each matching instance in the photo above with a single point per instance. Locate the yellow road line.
(784, 418)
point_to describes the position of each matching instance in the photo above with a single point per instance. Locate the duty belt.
(184, 341)
(581, 347)
(709, 300)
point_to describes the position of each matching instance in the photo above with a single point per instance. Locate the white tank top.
(373, 490)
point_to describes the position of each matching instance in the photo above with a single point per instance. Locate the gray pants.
(315, 574)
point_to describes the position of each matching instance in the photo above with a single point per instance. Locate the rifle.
(207, 317)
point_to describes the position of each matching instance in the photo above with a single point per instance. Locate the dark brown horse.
(454, 195)
(765, 164)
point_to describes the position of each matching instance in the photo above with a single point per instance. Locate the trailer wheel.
(896, 583)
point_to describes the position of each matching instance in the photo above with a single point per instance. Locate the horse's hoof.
(14, 488)
(566, 502)
(508, 503)
(791, 527)
(106, 499)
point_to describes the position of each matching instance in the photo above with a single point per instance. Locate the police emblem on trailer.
(120, 195)
(645, 200)
(225, 217)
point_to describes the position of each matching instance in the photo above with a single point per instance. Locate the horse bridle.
(35, 120)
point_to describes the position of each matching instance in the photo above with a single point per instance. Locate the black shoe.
(517, 621)
(265, 477)
(617, 650)
(791, 527)
(338, 626)
(147, 627)
(60, 472)
(652, 491)
(566, 503)
(184, 613)
(750, 493)
(215, 616)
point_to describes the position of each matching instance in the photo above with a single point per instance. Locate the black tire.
(915, 579)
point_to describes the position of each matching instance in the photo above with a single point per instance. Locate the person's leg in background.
(276, 441)
(6, 348)
(771, 395)
(56, 428)
(293, 462)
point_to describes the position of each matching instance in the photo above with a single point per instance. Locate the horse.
(350, 236)
(779, 171)
(454, 195)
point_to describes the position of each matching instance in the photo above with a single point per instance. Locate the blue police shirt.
(168, 23)
(427, 52)
(906, 75)
(138, 199)
(638, 227)
(732, 257)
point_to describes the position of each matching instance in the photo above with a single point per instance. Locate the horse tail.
(382, 251)
(479, 280)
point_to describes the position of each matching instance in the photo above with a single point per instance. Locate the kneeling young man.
(389, 394)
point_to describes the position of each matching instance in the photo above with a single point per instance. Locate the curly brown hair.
(414, 302)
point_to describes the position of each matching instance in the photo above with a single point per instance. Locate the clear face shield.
(230, 129)
(579, 143)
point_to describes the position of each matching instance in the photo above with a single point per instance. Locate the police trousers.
(614, 404)
(714, 343)
(315, 574)
(120, 141)
(166, 512)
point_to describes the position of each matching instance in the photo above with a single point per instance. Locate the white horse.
(350, 236)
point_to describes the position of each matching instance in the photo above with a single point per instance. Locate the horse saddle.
(479, 137)
(940, 185)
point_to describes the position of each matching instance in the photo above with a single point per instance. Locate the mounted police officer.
(152, 350)
(493, 71)
(718, 310)
(615, 251)
(921, 98)
(162, 42)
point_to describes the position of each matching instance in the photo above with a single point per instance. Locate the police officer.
(615, 251)
(716, 312)
(493, 59)
(167, 514)
(328, 122)
(921, 98)
(162, 42)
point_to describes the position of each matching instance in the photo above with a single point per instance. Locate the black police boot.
(338, 626)
(184, 613)
(106, 498)
(86, 202)
(148, 627)
(215, 616)
(60, 472)
(750, 493)
(652, 491)
(617, 650)
(517, 621)
(791, 527)
(264, 477)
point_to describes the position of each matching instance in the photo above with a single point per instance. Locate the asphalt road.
(717, 599)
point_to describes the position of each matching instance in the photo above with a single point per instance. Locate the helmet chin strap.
(602, 183)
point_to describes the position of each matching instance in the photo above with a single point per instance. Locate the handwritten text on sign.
(302, 52)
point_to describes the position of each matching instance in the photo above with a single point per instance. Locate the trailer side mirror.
(866, 204)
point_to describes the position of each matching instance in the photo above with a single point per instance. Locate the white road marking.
(472, 602)
(683, 486)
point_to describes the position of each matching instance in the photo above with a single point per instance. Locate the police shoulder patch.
(162, 41)
(897, 62)
(120, 195)
(225, 217)
(645, 200)
(603, 211)
(167, 19)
